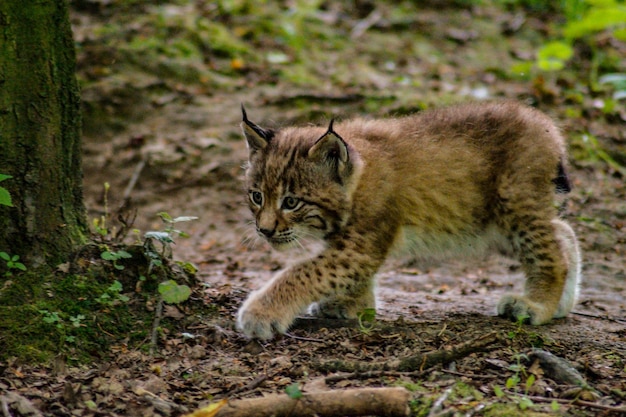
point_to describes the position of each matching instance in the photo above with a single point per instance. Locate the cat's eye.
(290, 203)
(256, 197)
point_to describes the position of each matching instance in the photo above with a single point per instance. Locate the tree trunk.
(39, 132)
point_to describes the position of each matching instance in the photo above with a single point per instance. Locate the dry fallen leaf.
(210, 410)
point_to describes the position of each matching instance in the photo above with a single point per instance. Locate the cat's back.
(487, 127)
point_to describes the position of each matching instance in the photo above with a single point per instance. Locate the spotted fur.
(456, 181)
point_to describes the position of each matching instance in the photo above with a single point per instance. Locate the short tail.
(562, 182)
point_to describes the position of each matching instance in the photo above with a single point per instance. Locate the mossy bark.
(40, 129)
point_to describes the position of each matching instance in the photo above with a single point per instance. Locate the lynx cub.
(460, 180)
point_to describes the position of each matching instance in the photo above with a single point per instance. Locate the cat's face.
(296, 181)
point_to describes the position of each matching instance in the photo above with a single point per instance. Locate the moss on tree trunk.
(39, 132)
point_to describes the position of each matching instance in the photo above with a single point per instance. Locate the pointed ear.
(256, 137)
(332, 149)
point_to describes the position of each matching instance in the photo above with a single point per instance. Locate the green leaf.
(556, 49)
(596, 20)
(108, 256)
(293, 391)
(553, 55)
(618, 80)
(4, 177)
(165, 216)
(368, 315)
(173, 293)
(525, 403)
(123, 254)
(5, 197)
(620, 34)
(184, 219)
(498, 391)
(160, 236)
(5, 256)
(115, 287)
(555, 406)
(512, 381)
(530, 381)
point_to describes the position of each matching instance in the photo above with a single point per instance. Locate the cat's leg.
(569, 247)
(333, 274)
(546, 267)
(348, 306)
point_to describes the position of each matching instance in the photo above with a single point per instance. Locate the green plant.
(112, 295)
(512, 383)
(593, 151)
(54, 318)
(115, 256)
(294, 391)
(12, 263)
(519, 327)
(584, 20)
(5, 196)
(618, 81)
(100, 224)
(366, 319)
(167, 235)
(173, 293)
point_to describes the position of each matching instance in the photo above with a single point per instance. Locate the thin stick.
(593, 316)
(154, 338)
(438, 405)
(131, 184)
(578, 402)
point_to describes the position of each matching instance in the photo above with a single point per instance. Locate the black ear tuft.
(256, 137)
(331, 149)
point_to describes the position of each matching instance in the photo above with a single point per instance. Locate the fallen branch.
(417, 362)
(557, 369)
(390, 402)
(578, 402)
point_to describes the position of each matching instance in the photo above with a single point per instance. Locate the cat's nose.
(267, 232)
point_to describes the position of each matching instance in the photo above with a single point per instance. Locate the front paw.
(518, 308)
(260, 320)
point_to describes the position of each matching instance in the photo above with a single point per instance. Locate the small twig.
(306, 339)
(594, 316)
(472, 376)
(131, 184)
(370, 374)
(438, 405)
(5, 408)
(582, 403)
(154, 337)
(360, 28)
(598, 406)
(256, 382)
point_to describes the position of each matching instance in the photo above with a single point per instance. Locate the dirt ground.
(182, 145)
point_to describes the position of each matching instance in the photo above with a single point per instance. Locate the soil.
(182, 145)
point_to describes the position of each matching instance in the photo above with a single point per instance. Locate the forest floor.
(162, 114)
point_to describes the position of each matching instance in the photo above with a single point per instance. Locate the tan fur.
(460, 180)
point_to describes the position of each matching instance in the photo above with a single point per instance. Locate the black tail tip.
(562, 182)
